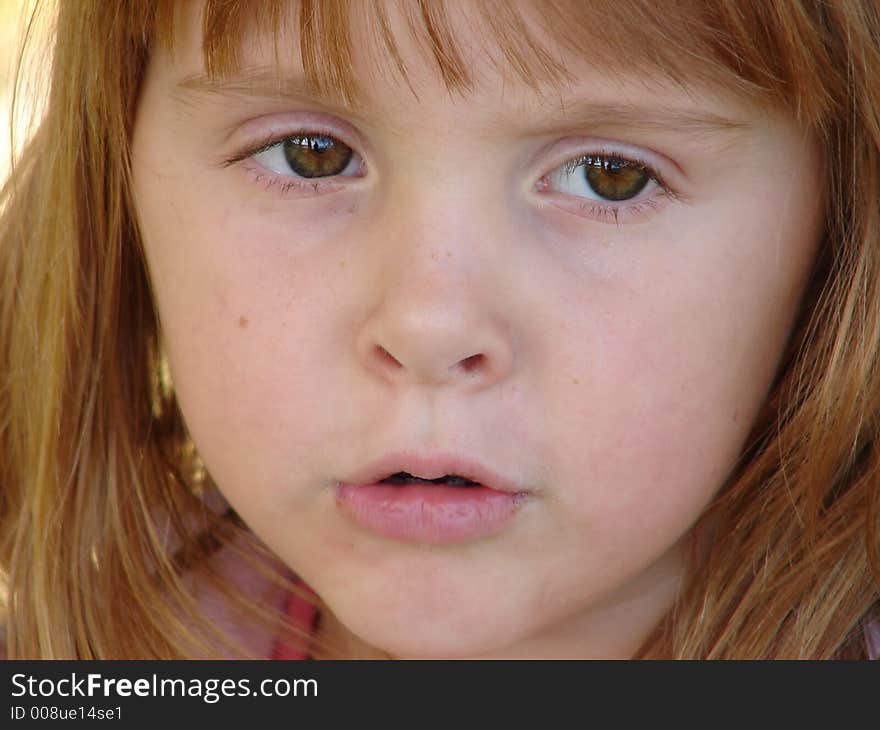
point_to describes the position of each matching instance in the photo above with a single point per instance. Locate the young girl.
(421, 329)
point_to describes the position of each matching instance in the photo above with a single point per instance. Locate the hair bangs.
(767, 52)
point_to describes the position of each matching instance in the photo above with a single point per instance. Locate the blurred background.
(12, 13)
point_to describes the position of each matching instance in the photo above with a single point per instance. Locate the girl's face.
(577, 298)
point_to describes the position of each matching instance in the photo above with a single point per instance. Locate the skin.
(623, 353)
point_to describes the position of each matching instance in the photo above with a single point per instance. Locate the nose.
(438, 315)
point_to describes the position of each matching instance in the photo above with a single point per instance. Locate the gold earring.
(161, 385)
(197, 473)
(163, 406)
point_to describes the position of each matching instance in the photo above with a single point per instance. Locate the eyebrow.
(257, 83)
(264, 82)
(648, 118)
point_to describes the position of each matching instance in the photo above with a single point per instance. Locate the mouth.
(435, 499)
(440, 469)
(403, 478)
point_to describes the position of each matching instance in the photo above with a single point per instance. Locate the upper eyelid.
(574, 147)
(287, 124)
(314, 121)
(577, 162)
(275, 128)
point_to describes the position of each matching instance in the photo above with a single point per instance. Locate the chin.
(420, 637)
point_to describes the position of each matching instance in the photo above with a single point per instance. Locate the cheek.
(248, 325)
(666, 371)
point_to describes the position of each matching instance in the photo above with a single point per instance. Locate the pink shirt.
(236, 624)
(301, 614)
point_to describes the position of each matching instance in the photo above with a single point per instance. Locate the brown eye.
(614, 179)
(316, 155)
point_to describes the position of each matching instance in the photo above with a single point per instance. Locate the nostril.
(472, 362)
(386, 357)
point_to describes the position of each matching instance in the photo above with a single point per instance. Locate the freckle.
(242, 322)
(342, 264)
(575, 381)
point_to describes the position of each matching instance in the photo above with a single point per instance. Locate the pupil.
(615, 179)
(316, 155)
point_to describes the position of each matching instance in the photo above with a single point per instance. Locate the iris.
(612, 178)
(316, 155)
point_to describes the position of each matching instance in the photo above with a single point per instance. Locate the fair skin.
(454, 292)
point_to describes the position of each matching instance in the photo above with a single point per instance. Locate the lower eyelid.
(286, 184)
(633, 211)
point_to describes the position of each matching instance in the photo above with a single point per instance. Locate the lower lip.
(434, 514)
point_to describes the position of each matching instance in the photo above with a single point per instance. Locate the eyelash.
(283, 185)
(607, 212)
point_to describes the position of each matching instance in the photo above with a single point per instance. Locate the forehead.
(342, 49)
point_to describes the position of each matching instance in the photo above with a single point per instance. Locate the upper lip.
(432, 466)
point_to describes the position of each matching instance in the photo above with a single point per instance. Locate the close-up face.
(562, 306)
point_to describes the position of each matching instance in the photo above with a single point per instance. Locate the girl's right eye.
(308, 155)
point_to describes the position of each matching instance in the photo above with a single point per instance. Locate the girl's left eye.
(603, 178)
(308, 156)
